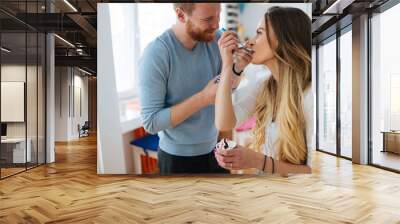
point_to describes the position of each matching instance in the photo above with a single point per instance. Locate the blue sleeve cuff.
(164, 119)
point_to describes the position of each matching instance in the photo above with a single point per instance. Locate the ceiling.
(76, 22)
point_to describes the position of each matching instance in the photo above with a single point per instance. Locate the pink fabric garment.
(247, 125)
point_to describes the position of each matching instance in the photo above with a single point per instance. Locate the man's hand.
(181, 111)
(207, 95)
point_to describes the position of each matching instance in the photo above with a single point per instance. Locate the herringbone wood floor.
(70, 191)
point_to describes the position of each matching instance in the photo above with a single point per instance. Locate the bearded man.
(178, 82)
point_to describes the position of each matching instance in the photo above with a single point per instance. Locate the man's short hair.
(186, 7)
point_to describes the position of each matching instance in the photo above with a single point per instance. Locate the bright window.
(327, 96)
(153, 19)
(385, 84)
(346, 94)
(133, 27)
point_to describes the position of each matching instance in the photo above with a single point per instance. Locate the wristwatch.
(235, 72)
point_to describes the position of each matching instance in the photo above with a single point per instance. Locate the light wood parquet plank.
(70, 191)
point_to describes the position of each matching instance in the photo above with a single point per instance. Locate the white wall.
(111, 155)
(15, 72)
(82, 82)
(314, 84)
(252, 14)
(79, 117)
(12, 73)
(68, 82)
(61, 104)
(33, 126)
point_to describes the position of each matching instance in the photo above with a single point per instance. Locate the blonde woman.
(283, 104)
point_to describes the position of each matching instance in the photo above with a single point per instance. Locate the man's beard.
(198, 35)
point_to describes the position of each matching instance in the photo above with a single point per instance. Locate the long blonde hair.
(282, 100)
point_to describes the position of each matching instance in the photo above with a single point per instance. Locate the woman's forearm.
(280, 167)
(285, 168)
(224, 114)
